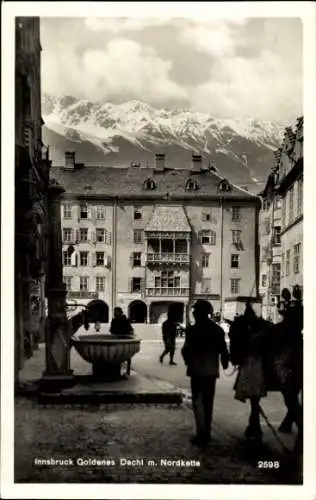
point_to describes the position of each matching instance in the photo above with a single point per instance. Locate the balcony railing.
(169, 292)
(83, 295)
(156, 257)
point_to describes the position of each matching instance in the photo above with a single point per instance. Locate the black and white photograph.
(157, 291)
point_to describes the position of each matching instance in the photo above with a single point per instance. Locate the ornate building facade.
(290, 188)
(281, 222)
(141, 238)
(31, 182)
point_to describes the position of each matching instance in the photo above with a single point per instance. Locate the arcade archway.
(137, 312)
(158, 311)
(97, 310)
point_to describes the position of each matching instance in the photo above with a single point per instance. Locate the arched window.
(149, 184)
(191, 185)
(224, 186)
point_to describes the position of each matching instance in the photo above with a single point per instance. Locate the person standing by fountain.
(169, 334)
(120, 325)
(204, 344)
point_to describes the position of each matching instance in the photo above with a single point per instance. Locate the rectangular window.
(84, 283)
(100, 235)
(67, 235)
(205, 260)
(138, 236)
(100, 212)
(265, 205)
(66, 259)
(136, 284)
(83, 211)
(276, 239)
(205, 237)
(297, 258)
(99, 283)
(264, 280)
(288, 262)
(276, 274)
(67, 208)
(278, 203)
(266, 226)
(167, 279)
(206, 285)
(291, 204)
(284, 205)
(67, 281)
(300, 196)
(234, 286)
(235, 214)
(234, 262)
(83, 259)
(137, 259)
(236, 237)
(206, 215)
(137, 214)
(83, 234)
(264, 252)
(99, 258)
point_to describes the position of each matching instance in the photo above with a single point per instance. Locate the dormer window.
(224, 186)
(149, 184)
(191, 185)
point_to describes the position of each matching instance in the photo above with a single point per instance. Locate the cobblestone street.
(147, 432)
(130, 432)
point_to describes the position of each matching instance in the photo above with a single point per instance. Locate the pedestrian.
(169, 334)
(204, 345)
(120, 325)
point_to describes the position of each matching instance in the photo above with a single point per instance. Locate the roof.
(168, 218)
(128, 182)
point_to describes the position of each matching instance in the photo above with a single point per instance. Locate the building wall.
(190, 275)
(287, 213)
(270, 254)
(292, 234)
(92, 271)
(31, 183)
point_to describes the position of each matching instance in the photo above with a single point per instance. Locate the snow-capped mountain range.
(118, 134)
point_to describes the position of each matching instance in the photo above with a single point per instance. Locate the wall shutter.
(143, 259)
(93, 214)
(131, 260)
(93, 259)
(142, 286)
(77, 211)
(93, 236)
(73, 259)
(89, 210)
(77, 236)
(131, 285)
(108, 237)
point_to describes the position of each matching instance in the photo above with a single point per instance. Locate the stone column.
(57, 373)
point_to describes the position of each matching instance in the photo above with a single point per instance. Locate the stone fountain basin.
(105, 349)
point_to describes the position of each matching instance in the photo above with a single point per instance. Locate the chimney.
(70, 160)
(160, 162)
(196, 163)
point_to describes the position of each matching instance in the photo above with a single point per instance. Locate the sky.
(238, 68)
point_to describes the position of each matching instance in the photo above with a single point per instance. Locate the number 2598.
(268, 465)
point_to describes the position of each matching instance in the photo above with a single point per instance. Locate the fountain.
(107, 353)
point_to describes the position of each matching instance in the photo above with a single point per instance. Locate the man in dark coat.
(204, 344)
(120, 325)
(169, 334)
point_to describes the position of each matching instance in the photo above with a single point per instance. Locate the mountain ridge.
(118, 134)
